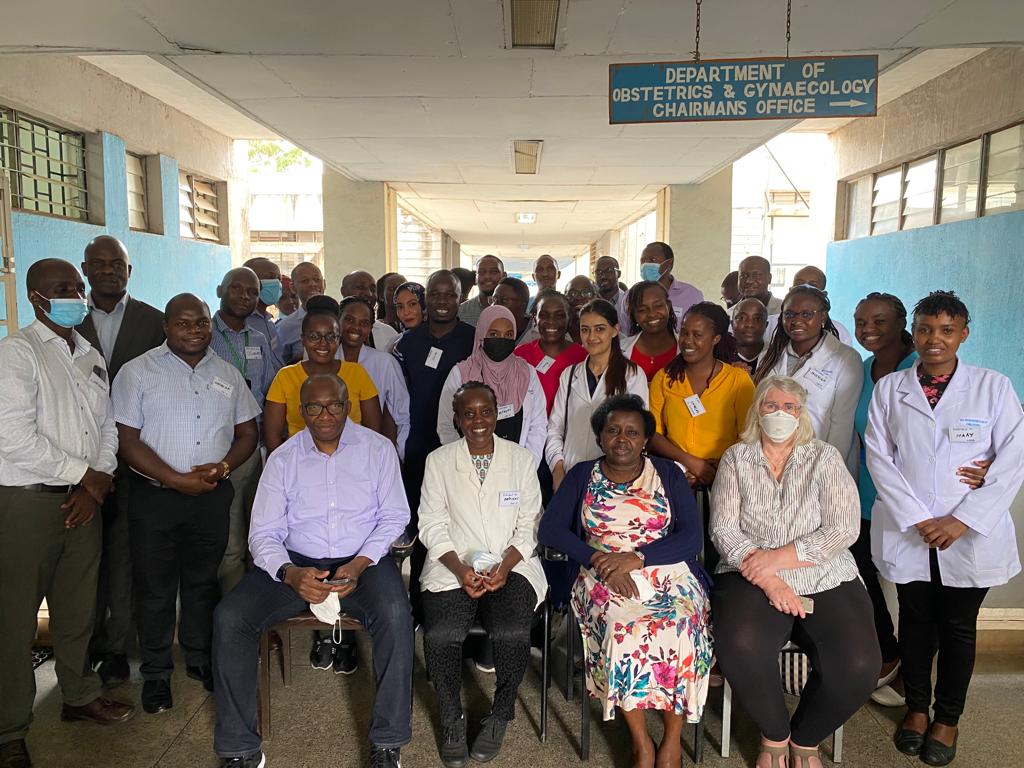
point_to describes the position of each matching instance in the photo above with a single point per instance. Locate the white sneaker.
(886, 696)
(889, 677)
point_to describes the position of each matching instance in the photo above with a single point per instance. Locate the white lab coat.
(913, 454)
(535, 414)
(833, 378)
(460, 514)
(572, 440)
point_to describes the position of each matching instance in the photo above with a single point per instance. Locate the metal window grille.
(45, 165)
(1004, 177)
(419, 247)
(200, 208)
(135, 170)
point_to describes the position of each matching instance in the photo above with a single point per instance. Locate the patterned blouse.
(934, 386)
(481, 463)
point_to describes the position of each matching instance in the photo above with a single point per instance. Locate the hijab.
(511, 377)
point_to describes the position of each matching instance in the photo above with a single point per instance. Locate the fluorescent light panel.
(526, 218)
(526, 155)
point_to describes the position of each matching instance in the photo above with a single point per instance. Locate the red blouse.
(651, 365)
(534, 355)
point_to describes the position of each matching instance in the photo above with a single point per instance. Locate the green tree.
(276, 156)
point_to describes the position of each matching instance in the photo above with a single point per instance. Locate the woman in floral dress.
(640, 595)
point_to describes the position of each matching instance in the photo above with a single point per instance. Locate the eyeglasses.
(315, 409)
(584, 294)
(807, 315)
(315, 337)
(605, 271)
(792, 409)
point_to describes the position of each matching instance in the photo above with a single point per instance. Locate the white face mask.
(779, 426)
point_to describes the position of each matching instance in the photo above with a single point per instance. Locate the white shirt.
(570, 438)
(383, 335)
(460, 514)
(913, 454)
(833, 376)
(535, 414)
(386, 373)
(55, 409)
(107, 325)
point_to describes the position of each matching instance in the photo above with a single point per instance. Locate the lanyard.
(241, 364)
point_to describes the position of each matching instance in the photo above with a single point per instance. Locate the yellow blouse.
(286, 385)
(726, 402)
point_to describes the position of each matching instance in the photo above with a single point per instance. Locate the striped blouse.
(815, 506)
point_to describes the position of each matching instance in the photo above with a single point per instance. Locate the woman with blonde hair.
(784, 511)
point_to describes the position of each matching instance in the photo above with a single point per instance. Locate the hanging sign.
(743, 89)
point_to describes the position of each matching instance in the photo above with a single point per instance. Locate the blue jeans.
(379, 601)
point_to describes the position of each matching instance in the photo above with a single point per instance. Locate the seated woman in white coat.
(478, 516)
(805, 346)
(522, 406)
(942, 543)
(584, 386)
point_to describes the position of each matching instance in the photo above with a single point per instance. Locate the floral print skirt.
(649, 653)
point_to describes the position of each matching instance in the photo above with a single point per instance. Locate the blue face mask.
(650, 271)
(270, 291)
(67, 313)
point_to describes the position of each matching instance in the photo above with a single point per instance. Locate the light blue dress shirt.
(865, 485)
(187, 416)
(343, 505)
(264, 323)
(289, 336)
(387, 377)
(249, 352)
(107, 325)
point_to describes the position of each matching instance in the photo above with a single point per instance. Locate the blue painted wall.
(162, 265)
(980, 259)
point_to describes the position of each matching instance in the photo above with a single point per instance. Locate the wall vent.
(534, 23)
(526, 155)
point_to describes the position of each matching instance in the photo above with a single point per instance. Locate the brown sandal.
(800, 757)
(778, 757)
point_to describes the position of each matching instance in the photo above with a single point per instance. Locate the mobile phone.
(338, 582)
(807, 603)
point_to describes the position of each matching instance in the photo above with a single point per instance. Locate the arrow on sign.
(850, 103)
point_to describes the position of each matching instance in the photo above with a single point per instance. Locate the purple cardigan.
(561, 527)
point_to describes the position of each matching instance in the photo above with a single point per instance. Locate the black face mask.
(499, 349)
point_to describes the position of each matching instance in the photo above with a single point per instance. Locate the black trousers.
(861, 551)
(114, 590)
(413, 469)
(177, 543)
(838, 637)
(507, 615)
(934, 616)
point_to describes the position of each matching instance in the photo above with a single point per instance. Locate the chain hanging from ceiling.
(789, 24)
(696, 37)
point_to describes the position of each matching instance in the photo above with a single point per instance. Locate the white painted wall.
(699, 228)
(354, 227)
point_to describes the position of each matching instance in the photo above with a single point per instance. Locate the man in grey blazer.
(121, 328)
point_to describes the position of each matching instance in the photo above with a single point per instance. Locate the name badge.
(819, 378)
(221, 387)
(694, 405)
(434, 357)
(964, 434)
(974, 422)
(508, 499)
(253, 353)
(506, 412)
(545, 365)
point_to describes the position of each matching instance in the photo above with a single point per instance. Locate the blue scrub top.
(865, 485)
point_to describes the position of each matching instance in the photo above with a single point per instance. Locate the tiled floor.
(321, 720)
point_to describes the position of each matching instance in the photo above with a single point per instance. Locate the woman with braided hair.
(805, 346)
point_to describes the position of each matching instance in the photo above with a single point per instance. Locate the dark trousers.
(934, 616)
(177, 543)
(838, 638)
(40, 558)
(506, 615)
(413, 470)
(379, 602)
(114, 590)
(861, 551)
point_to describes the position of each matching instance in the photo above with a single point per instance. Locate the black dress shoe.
(936, 753)
(203, 674)
(14, 754)
(156, 696)
(909, 742)
(113, 669)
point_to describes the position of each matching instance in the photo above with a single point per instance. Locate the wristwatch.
(643, 560)
(281, 571)
(227, 470)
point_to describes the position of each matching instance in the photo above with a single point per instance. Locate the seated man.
(329, 504)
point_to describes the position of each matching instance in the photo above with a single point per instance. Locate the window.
(858, 207)
(1004, 180)
(633, 238)
(45, 164)
(961, 168)
(199, 206)
(419, 247)
(919, 193)
(885, 203)
(288, 248)
(135, 168)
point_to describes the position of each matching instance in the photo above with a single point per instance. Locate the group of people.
(258, 467)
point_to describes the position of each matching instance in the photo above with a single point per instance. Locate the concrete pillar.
(357, 220)
(696, 220)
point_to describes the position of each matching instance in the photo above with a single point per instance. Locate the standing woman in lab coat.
(805, 346)
(942, 543)
(584, 386)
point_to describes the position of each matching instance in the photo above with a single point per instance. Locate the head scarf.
(511, 377)
(418, 292)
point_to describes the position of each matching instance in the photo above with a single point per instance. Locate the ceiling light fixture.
(526, 155)
(526, 218)
(533, 23)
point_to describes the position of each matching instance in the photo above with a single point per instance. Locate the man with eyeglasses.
(606, 275)
(185, 421)
(328, 507)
